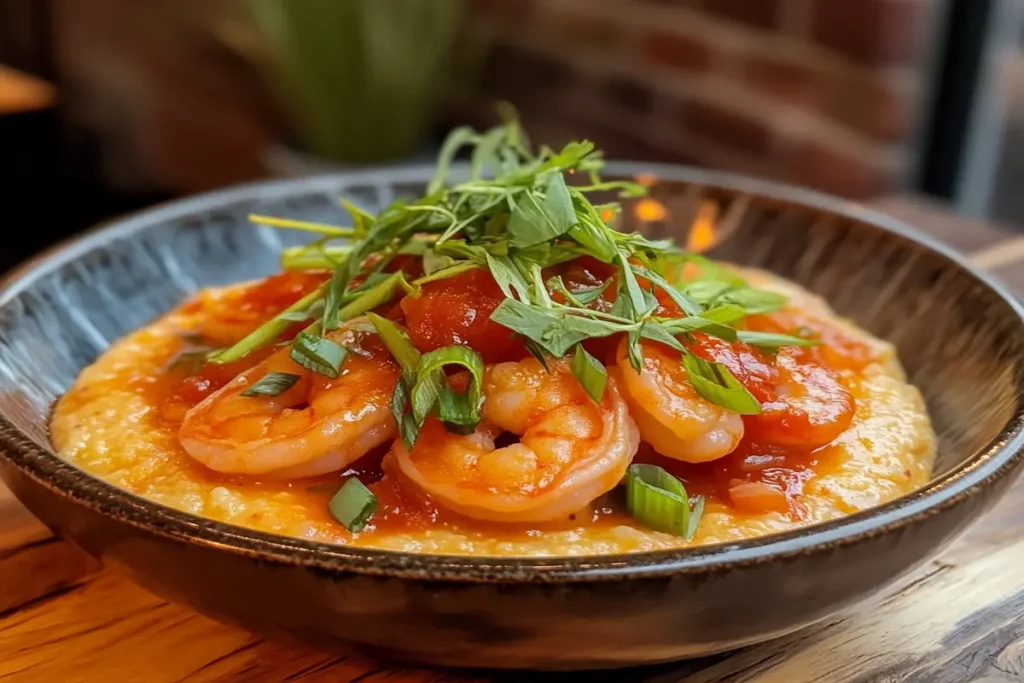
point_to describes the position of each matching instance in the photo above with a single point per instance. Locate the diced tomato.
(457, 310)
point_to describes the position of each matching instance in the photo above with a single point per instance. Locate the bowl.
(958, 332)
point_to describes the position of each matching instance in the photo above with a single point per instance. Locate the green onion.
(353, 505)
(408, 356)
(397, 341)
(271, 384)
(714, 382)
(318, 354)
(380, 293)
(407, 427)
(659, 501)
(458, 410)
(590, 372)
(267, 332)
(343, 274)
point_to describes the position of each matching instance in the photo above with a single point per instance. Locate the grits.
(114, 424)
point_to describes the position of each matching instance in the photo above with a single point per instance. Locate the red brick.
(588, 32)
(831, 170)
(512, 70)
(873, 32)
(783, 80)
(880, 109)
(726, 127)
(760, 13)
(629, 93)
(677, 51)
(858, 100)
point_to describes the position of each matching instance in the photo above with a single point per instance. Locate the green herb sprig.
(516, 215)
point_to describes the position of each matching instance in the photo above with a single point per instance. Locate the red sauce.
(781, 469)
(457, 310)
(761, 475)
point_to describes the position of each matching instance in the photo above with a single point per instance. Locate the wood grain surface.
(958, 619)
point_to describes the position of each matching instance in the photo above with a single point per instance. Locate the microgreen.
(516, 216)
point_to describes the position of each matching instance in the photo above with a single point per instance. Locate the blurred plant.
(360, 79)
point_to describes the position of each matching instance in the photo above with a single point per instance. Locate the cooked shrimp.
(228, 315)
(570, 449)
(318, 425)
(811, 407)
(673, 418)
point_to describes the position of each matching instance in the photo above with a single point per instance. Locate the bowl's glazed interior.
(961, 341)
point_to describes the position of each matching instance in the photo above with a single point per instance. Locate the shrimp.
(673, 418)
(570, 449)
(318, 425)
(811, 406)
(227, 315)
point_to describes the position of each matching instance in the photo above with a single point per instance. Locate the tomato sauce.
(759, 476)
(457, 310)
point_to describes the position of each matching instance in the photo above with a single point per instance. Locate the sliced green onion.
(267, 332)
(590, 372)
(397, 341)
(380, 293)
(343, 274)
(658, 500)
(318, 354)
(353, 505)
(769, 340)
(271, 384)
(459, 410)
(714, 382)
(407, 426)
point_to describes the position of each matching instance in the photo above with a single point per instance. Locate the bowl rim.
(997, 459)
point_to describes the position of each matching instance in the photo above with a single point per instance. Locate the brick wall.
(821, 93)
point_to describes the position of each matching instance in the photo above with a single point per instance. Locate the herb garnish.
(516, 216)
(659, 500)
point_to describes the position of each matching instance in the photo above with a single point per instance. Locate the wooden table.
(960, 618)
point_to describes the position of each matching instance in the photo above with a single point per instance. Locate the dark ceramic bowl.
(960, 335)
